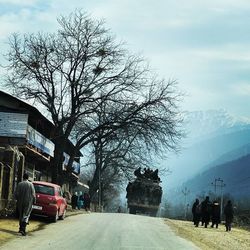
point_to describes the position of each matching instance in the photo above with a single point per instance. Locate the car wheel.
(56, 217)
(62, 217)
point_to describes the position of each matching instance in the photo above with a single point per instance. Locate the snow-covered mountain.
(213, 137)
(202, 125)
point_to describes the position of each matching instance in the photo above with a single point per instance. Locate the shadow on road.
(8, 231)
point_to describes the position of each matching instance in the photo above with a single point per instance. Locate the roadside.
(9, 226)
(211, 238)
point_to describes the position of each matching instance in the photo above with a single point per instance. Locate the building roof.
(9, 103)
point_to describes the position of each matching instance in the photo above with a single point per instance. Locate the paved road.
(102, 232)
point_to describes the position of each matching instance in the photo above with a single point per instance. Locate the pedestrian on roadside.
(80, 201)
(86, 201)
(25, 196)
(215, 214)
(74, 200)
(196, 211)
(229, 214)
(205, 211)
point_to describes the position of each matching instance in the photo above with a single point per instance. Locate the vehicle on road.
(144, 193)
(49, 201)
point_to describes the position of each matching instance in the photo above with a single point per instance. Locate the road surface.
(102, 232)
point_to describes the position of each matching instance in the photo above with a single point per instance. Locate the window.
(41, 189)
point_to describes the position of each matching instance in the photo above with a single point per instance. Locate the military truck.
(144, 193)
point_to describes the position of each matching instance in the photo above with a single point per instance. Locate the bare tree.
(135, 131)
(74, 71)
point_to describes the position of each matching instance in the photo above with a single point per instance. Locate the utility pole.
(219, 183)
(214, 184)
(185, 192)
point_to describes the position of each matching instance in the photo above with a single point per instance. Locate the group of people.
(206, 211)
(147, 174)
(80, 201)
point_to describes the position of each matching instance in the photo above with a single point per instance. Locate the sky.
(204, 45)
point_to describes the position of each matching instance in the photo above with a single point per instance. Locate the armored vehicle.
(144, 193)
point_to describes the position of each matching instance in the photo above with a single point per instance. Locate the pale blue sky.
(205, 45)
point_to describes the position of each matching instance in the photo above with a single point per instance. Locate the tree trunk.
(93, 186)
(57, 161)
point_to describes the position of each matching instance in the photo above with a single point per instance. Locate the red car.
(49, 201)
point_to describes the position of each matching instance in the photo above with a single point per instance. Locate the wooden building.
(26, 144)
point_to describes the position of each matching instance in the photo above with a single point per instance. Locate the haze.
(204, 45)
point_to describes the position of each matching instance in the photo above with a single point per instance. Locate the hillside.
(230, 156)
(213, 137)
(217, 146)
(235, 174)
(208, 153)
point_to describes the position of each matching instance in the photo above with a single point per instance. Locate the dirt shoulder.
(211, 238)
(9, 226)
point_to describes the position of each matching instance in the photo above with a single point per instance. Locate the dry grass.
(9, 228)
(212, 238)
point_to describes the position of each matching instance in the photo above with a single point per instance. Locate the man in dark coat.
(229, 214)
(205, 211)
(25, 196)
(74, 200)
(196, 211)
(215, 214)
(86, 201)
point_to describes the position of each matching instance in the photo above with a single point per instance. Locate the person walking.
(80, 200)
(86, 201)
(74, 200)
(25, 196)
(215, 214)
(196, 211)
(205, 211)
(229, 214)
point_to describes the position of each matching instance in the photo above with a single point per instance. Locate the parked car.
(49, 201)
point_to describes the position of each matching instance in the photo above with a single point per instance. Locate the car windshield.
(41, 189)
